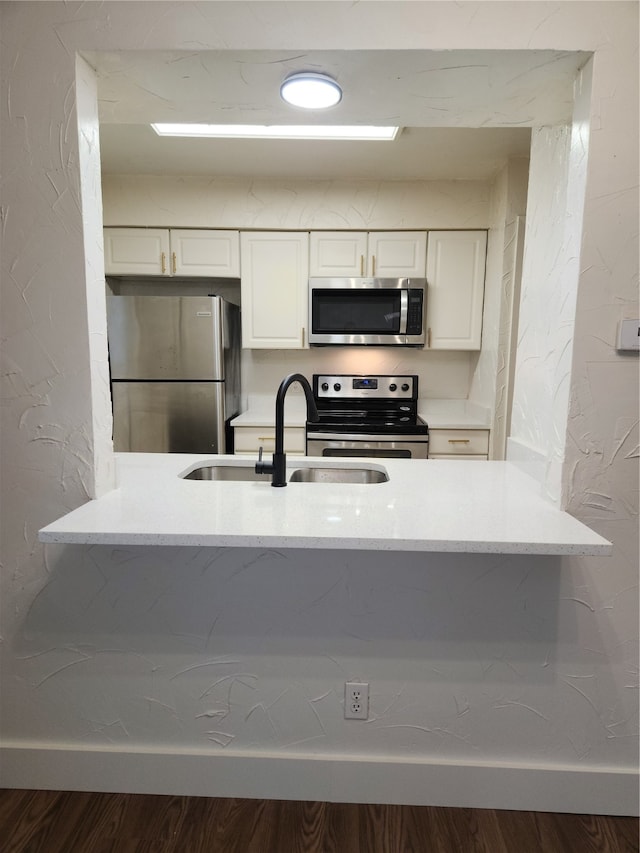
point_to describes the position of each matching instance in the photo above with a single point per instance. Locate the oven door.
(376, 446)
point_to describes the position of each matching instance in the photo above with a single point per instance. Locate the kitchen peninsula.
(426, 505)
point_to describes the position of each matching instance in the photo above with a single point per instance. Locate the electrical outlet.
(356, 700)
(628, 336)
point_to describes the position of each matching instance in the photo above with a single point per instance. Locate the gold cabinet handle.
(373, 265)
(459, 440)
(429, 337)
(173, 262)
(361, 264)
(163, 261)
(266, 438)
(302, 335)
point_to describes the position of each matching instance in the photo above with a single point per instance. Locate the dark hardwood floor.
(64, 822)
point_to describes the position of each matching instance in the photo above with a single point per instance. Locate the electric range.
(367, 415)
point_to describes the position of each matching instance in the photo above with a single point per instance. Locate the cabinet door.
(136, 251)
(397, 254)
(274, 289)
(461, 456)
(205, 252)
(455, 276)
(451, 443)
(338, 253)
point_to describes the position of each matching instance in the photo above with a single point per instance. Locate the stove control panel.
(329, 387)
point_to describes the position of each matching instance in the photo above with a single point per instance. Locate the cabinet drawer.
(249, 439)
(466, 457)
(454, 442)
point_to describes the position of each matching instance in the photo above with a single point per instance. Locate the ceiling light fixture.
(310, 90)
(279, 131)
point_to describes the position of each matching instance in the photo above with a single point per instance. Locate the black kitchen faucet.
(277, 467)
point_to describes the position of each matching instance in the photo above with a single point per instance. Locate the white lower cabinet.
(248, 440)
(466, 456)
(274, 288)
(455, 296)
(471, 444)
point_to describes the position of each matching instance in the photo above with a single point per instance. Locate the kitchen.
(436, 179)
(144, 345)
(358, 601)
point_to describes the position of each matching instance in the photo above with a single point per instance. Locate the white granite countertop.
(261, 411)
(427, 505)
(453, 414)
(439, 414)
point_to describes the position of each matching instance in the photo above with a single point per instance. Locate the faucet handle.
(262, 467)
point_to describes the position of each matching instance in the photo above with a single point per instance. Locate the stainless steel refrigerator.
(175, 372)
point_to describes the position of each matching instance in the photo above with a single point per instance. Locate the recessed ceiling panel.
(463, 112)
(417, 154)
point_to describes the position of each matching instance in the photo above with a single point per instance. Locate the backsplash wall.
(440, 374)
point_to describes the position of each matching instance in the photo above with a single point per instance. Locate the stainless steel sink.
(320, 474)
(226, 472)
(338, 475)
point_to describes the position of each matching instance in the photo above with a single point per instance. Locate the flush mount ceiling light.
(310, 90)
(279, 131)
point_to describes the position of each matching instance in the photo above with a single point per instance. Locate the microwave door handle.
(404, 306)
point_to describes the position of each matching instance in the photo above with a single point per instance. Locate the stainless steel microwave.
(367, 311)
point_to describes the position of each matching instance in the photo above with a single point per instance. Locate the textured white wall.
(511, 197)
(488, 382)
(550, 279)
(547, 306)
(296, 204)
(496, 666)
(90, 195)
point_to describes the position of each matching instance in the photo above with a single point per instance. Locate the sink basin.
(226, 472)
(320, 474)
(338, 475)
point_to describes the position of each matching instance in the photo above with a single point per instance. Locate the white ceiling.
(463, 112)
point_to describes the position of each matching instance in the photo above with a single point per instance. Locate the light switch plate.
(628, 335)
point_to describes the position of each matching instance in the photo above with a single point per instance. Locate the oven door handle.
(377, 438)
(404, 310)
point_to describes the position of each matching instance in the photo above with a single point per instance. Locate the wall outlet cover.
(628, 336)
(356, 700)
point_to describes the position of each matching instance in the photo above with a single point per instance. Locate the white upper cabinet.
(163, 251)
(340, 254)
(205, 252)
(136, 251)
(397, 254)
(455, 293)
(274, 289)
(386, 254)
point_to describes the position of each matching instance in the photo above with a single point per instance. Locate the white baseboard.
(348, 779)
